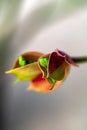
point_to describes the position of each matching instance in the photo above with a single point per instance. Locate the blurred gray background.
(43, 25)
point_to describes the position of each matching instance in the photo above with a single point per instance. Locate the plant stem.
(79, 59)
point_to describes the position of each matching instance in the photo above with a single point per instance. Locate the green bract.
(44, 62)
(22, 61)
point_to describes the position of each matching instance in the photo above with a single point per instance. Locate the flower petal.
(28, 55)
(59, 73)
(27, 72)
(68, 59)
(55, 61)
(40, 84)
(44, 69)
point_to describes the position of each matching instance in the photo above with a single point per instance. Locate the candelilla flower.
(46, 71)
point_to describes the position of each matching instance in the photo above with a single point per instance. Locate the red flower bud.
(46, 71)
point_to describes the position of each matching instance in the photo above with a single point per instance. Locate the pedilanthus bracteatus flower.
(46, 71)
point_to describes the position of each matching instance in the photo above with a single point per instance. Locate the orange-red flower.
(46, 71)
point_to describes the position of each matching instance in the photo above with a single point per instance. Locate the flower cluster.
(46, 71)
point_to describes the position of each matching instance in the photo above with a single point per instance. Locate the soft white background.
(43, 26)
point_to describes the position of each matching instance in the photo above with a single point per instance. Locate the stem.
(79, 59)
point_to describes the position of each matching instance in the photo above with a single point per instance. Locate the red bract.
(46, 71)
